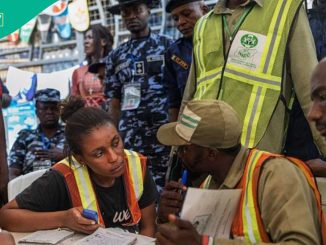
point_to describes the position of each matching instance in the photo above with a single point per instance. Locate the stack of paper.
(215, 214)
(47, 236)
(107, 237)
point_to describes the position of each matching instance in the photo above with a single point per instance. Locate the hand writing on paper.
(179, 232)
(171, 200)
(74, 220)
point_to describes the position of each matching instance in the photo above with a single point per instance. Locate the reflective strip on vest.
(136, 172)
(265, 82)
(85, 187)
(206, 183)
(250, 224)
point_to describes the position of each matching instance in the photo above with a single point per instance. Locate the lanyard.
(237, 25)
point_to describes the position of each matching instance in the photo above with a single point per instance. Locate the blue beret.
(47, 95)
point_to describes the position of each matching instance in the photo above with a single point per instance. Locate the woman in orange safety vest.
(99, 177)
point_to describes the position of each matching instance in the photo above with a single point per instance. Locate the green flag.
(16, 13)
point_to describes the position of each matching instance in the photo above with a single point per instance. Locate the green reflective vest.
(250, 77)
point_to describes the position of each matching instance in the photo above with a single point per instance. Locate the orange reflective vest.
(81, 188)
(248, 222)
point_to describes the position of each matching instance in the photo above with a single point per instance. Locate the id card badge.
(131, 96)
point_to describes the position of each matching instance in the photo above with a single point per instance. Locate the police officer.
(39, 148)
(134, 85)
(185, 14)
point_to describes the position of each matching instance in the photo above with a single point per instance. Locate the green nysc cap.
(208, 123)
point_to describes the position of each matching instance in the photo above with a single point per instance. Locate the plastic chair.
(321, 182)
(17, 185)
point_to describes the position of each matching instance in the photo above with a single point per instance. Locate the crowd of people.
(239, 101)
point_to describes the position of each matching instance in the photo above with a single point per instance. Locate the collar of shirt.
(150, 34)
(220, 6)
(236, 171)
(60, 129)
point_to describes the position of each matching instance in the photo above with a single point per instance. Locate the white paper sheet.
(47, 236)
(107, 237)
(211, 211)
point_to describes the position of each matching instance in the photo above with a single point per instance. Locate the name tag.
(152, 58)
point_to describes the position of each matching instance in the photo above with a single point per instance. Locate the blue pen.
(183, 180)
(184, 177)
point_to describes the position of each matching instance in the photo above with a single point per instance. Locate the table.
(141, 240)
(68, 241)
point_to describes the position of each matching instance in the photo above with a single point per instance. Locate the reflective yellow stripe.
(206, 182)
(85, 187)
(84, 184)
(251, 119)
(253, 78)
(215, 73)
(250, 225)
(280, 23)
(254, 125)
(273, 32)
(135, 171)
(199, 47)
(207, 83)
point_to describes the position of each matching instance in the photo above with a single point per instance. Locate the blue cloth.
(299, 141)
(144, 58)
(317, 20)
(177, 65)
(28, 141)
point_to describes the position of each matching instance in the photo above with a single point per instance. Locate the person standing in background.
(134, 85)
(246, 53)
(98, 42)
(185, 14)
(317, 19)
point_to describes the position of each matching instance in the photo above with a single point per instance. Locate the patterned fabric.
(317, 19)
(21, 154)
(177, 64)
(145, 59)
(47, 95)
(88, 86)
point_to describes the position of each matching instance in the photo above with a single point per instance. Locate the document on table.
(47, 236)
(113, 236)
(211, 211)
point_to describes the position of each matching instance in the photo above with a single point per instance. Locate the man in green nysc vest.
(208, 134)
(256, 55)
